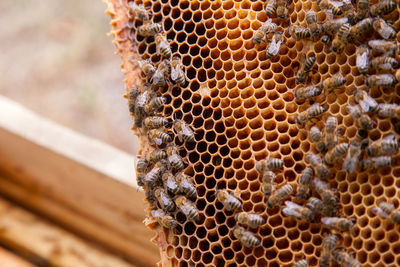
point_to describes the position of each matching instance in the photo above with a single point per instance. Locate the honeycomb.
(241, 106)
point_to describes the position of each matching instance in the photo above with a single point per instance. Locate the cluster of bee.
(161, 171)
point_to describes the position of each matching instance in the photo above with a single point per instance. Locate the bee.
(155, 104)
(149, 29)
(162, 45)
(186, 185)
(177, 73)
(152, 177)
(302, 74)
(328, 245)
(389, 111)
(311, 20)
(159, 77)
(313, 111)
(366, 102)
(275, 45)
(316, 163)
(248, 239)
(344, 258)
(387, 210)
(353, 155)
(156, 155)
(141, 168)
(316, 138)
(331, 25)
(336, 223)
(315, 205)
(383, 46)
(140, 104)
(380, 80)
(132, 95)
(159, 137)
(269, 164)
(327, 4)
(270, 8)
(298, 212)
(187, 207)
(281, 9)
(184, 131)
(174, 159)
(362, 59)
(138, 11)
(147, 67)
(340, 40)
(383, 29)
(249, 219)
(299, 32)
(336, 153)
(278, 195)
(268, 184)
(382, 8)
(327, 195)
(385, 146)
(384, 63)
(331, 139)
(155, 122)
(302, 263)
(358, 30)
(304, 93)
(164, 219)
(229, 200)
(333, 82)
(303, 187)
(362, 9)
(261, 33)
(362, 119)
(170, 183)
(164, 200)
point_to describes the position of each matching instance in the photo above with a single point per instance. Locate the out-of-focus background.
(57, 60)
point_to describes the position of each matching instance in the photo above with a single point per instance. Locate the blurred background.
(57, 60)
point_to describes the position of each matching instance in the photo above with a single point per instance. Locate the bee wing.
(274, 46)
(171, 183)
(175, 72)
(291, 211)
(389, 138)
(380, 212)
(326, 220)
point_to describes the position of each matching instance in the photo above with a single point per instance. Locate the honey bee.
(177, 73)
(358, 30)
(281, 8)
(331, 25)
(132, 95)
(316, 163)
(336, 153)
(278, 195)
(156, 155)
(327, 4)
(302, 74)
(325, 39)
(380, 80)
(299, 32)
(385, 146)
(340, 40)
(382, 8)
(270, 8)
(162, 45)
(187, 207)
(327, 195)
(315, 205)
(383, 46)
(268, 184)
(328, 245)
(149, 29)
(389, 111)
(184, 131)
(170, 183)
(186, 185)
(352, 158)
(142, 165)
(304, 93)
(229, 200)
(362, 59)
(330, 139)
(164, 219)
(159, 137)
(387, 210)
(269, 164)
(138, 11)
(249, 219)
(313, 111)
(298, 212)
(311, 20)
(344, 258)
(384, 63)
(383, 29)
(164, 200)
(176, 162)
(141, 102)
(275, 45)
(261, 33)
(147, 67)
(362, 119)
(302, 263)
(303, 187)
(366, 102)
(248, 239)
(152, 177)
(159, 78)
(336, 223)
(334, 82)
(316, 138)
(155, 122)
(154, 104)
(362, 9)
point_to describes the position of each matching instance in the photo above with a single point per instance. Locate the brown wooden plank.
(8, 259)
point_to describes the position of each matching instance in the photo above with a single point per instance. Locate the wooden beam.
(8, 259)
(90, 185)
